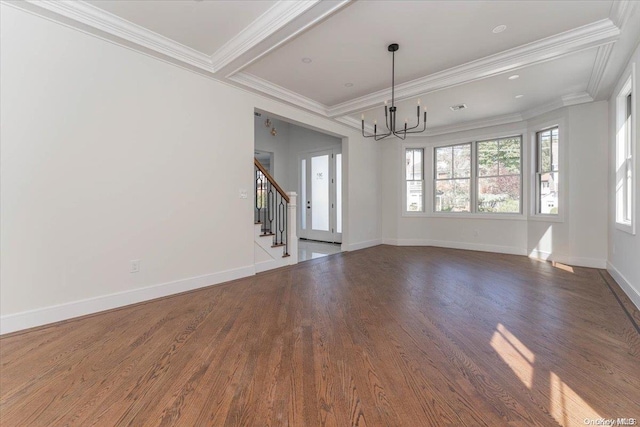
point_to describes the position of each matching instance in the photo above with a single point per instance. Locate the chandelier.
(390, 112)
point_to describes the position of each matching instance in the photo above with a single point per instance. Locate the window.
(547, 171)
(414, 170)
(499, 177)
(453, 178)
(496, 167)
(625, 147)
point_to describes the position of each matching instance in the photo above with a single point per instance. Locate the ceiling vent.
(458, 107)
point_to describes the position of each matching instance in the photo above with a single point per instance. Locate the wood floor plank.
(386, 336)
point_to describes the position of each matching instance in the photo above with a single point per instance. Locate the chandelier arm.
(413, 127)
(401, 134)
(421, 130)
(386, 119)
(424, 125)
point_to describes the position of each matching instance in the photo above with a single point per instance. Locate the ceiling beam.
(263, 36)
(276, 17)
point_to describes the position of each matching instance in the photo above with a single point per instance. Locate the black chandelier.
(390, 112)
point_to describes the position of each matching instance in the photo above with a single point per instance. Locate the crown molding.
(585, 37)
(276, 17)
(599, 65)
(576, 98)
(565, 101)
(283, 94)
(355, 123)
(620, 12)
(99, 19)
(475, 124)
(441, 130)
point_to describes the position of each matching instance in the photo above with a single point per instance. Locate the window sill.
(546, 218)
(463, 215)
(626, 227)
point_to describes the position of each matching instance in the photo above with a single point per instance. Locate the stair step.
(285, 255)
(267, 235)
(278, 245)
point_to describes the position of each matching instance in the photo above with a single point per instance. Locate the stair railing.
(271, 207)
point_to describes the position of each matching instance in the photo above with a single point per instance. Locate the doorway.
(320, 204)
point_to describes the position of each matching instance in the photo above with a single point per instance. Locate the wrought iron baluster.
(281, 216)
(270, 206)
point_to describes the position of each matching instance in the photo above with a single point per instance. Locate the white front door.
(320, 203)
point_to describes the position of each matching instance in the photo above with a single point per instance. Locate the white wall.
(579, 240)
(278, 145)
(624, 248)
(108, 155)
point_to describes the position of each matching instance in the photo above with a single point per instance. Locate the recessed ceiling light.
(499, 29)
(348, 85)
(519, 96)
(306, 60)
(515, 76)
(458, 107)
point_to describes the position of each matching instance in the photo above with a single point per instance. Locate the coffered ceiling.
(330, 56)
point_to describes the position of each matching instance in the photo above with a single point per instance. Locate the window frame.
(477, 175)
(405, 181)
(435, 180)
(563, 142)
(628, 144)
(429, 170)
(537, 173)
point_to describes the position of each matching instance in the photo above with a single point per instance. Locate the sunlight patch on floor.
(567, 408)
(562, 266)
(515, 354)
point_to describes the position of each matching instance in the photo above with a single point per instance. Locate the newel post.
(292, 235)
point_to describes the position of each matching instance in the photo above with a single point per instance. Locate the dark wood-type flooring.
(385, 336)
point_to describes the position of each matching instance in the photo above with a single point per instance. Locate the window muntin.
(547, 171)
(414, 179)
(452, 178)
(499, 174)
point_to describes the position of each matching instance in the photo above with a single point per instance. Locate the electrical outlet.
(243, 194)
(135, 266)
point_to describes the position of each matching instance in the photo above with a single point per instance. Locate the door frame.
(335, 237)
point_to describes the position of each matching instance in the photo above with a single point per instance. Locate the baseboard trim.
(364, 245)
(56, 313)
(270, 264)
(511, 250)
(632, 293)
(569, 260)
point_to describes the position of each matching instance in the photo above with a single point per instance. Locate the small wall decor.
(274, 132)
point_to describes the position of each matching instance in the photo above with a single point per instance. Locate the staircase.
(275, 242)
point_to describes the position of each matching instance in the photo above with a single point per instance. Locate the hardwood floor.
(385, 336)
